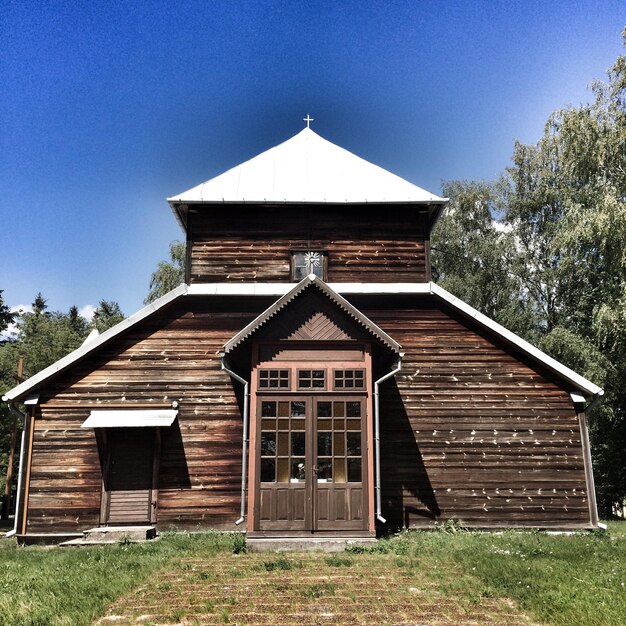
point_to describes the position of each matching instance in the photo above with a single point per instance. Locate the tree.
(168, 275)
(6, 423)
(39, 304)
(474, 255)
(107, 314)
(45, 338)
(6, 316)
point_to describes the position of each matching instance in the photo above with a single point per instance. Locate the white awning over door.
(131, 418)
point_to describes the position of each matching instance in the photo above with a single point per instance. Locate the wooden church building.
(308, 378)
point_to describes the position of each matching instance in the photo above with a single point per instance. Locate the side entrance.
(129, 488)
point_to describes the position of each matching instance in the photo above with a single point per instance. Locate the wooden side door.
(129, 482)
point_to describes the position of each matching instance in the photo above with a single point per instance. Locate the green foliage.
(107, 314)
(239, 543)
(280, 563)
(168, 275)
(40, 303)
(319, 590)
(475, 256)
(45, 338)
(338, 560)
(453, 526)
(6, 317)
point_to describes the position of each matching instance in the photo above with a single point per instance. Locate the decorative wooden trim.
(310, 282)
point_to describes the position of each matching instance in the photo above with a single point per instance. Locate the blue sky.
(107, 108)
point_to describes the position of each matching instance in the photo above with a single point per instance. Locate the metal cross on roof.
(308, 119)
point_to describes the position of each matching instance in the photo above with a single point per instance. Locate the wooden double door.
(311, 462)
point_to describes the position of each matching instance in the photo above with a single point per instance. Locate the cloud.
(87, 311)
(12, 331)
(22, 308)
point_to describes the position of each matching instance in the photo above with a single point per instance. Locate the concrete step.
(121, 533)
(104, 535)
(306, 544)
(81, 541)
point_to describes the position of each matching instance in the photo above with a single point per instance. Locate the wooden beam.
(591, 488)
(30, 432)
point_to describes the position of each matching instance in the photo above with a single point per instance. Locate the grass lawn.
(42, 586)
(557, 579)
(579, 579)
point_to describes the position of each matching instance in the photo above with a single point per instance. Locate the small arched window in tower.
(305, 262)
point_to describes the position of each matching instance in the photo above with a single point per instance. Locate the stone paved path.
(302, 590)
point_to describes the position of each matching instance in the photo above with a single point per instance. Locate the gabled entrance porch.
(310, 362)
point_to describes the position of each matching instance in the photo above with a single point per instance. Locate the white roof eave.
(280, 290)
(175, 201)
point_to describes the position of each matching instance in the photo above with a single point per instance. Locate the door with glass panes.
(310, 453)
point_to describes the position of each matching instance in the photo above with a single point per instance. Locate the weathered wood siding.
(471, 431)
(171, 356)
(252, 244)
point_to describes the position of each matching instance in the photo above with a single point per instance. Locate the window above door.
(305, 262)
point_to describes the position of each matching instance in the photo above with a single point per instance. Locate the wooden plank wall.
(468, 431)
(251, 244)
(171, 356)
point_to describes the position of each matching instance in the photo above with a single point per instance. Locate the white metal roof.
(306, 168)
(131, 418)
(279, 290)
